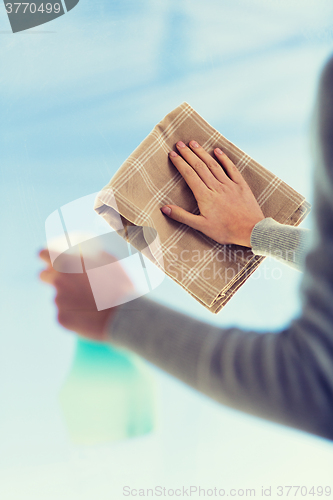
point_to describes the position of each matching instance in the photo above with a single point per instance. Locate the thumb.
(181, 215)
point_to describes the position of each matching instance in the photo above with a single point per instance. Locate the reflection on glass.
(108, 395)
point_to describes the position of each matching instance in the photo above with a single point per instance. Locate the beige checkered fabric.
(147, 180)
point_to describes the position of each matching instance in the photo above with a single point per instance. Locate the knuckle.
(58, 300)
(213, 164)
(221, 188)
(243, 188)
(188, 172)
(199, 165)
(63, 318)
(62, 301)
(234, 169)
(57, 281)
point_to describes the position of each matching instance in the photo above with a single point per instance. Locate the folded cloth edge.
(221, 298)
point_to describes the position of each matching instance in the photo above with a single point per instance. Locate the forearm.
(274, 376)
(285, 243)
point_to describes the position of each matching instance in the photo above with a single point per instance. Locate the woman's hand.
(228, 208)
(74, 299)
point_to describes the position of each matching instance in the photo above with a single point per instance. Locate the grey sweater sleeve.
(285, 243)
(285, 376)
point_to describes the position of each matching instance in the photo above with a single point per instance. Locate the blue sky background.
(77, 96)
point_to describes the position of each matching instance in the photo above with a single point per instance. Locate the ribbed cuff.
(285, 243)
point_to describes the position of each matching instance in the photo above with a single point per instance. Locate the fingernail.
(173, 153)
(218, 151)
(166, 210)
(180, 144)
(194, 144)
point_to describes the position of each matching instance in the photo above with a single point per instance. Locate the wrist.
(107, 327)
(114, 314)
(246, 234)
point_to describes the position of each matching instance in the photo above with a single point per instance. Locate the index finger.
(192, 179)
(214, 167)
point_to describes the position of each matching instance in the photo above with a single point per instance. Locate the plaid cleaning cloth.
(147, 180)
